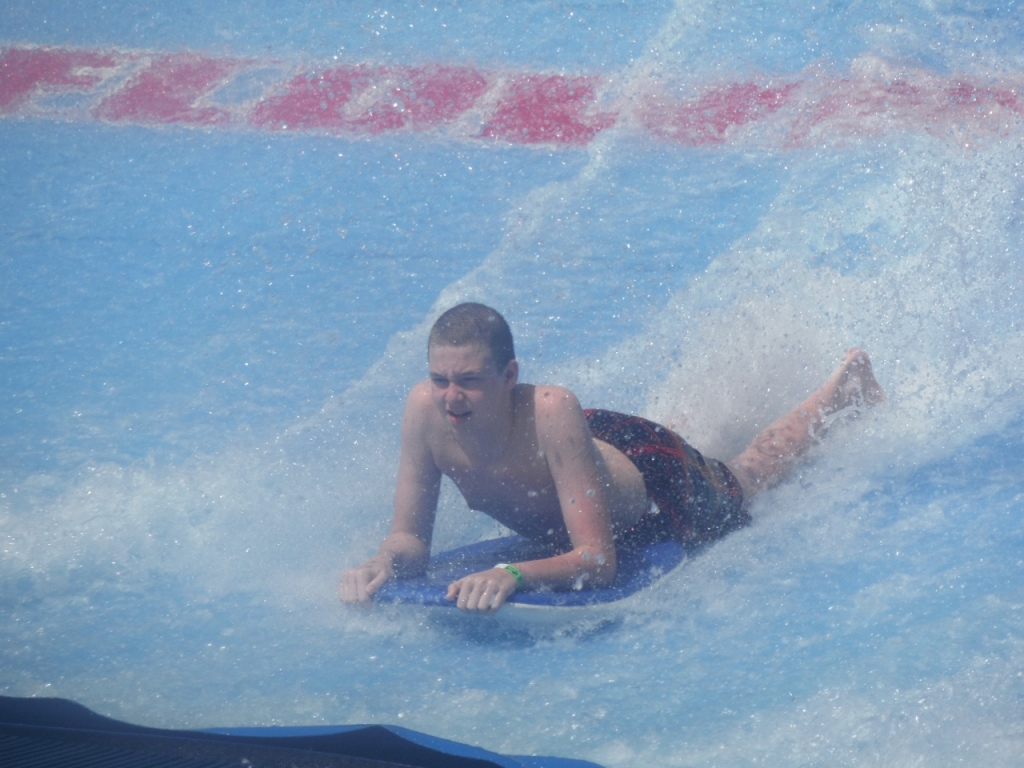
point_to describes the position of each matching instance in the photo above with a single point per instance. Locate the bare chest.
(518, 491)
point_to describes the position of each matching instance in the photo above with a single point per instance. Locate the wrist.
(392, 563)
(403, 557)
(514, 571)
(385, 557)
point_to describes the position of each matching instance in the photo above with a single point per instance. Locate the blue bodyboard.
(635, 570)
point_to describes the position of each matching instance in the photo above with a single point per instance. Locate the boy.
(588, 481)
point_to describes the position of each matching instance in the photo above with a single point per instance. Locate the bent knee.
(751, 481)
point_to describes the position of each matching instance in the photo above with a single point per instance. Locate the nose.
(453, 393)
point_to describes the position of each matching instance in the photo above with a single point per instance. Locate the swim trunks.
(695, 500)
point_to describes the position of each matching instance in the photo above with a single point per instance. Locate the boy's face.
(465, 385)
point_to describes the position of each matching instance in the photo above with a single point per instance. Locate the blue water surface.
(206, 336)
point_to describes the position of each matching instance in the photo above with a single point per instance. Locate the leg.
(771, 455)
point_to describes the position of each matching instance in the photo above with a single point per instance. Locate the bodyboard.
(635, 570)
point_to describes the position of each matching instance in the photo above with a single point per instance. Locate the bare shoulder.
(557, 409)
(420, 427)
(419, 395)
(418, 402)
(552, 397)
(419, 409)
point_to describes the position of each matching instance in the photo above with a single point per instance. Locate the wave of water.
(870, 615)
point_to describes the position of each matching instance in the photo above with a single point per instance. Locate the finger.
(465, 589)
(453, 590)
(357, 587)
(481, 598)
(478, 598)
(468, 594)
(347, 589)
(376, 583)
(343, 591)
(497, 599)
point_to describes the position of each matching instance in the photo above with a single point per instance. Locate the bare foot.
(852, 384)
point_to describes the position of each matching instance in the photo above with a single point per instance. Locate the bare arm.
(406, 549)
(581, 479)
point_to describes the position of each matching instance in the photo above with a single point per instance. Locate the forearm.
(582, 568)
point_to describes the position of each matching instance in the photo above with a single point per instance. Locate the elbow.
(599, 568)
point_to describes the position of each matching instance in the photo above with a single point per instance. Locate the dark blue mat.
(40, 733)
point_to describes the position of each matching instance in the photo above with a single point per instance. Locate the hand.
(483, 592)
(359, 584)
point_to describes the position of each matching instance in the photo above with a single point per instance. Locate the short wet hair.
(472, 323)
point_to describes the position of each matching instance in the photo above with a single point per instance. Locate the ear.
(511, 373)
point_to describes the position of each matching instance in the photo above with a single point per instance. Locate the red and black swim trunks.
(697, 500)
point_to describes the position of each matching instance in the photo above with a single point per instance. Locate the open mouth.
(457, 418)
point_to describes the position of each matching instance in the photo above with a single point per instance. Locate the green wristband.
(514, 571)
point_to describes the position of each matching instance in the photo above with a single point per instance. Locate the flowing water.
(208, 320)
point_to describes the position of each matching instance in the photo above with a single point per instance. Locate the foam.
(864, 618)
(767, 323)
